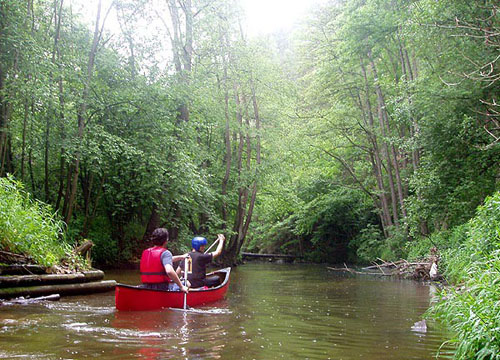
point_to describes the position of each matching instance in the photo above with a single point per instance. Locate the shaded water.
(271, 312)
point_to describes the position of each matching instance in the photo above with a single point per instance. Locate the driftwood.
(352, 271)
(63, 289)
(425, 269)
(20, 269)
(283, 256)
(23, 301)
(8, 257)
(33, 280)
(84, 248)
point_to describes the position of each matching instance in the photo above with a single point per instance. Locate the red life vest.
(152, 270)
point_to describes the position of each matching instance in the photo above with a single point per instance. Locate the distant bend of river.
(271, 311)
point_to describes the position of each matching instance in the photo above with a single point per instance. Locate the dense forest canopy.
(361, 134)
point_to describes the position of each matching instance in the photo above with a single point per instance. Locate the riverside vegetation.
(371, 131)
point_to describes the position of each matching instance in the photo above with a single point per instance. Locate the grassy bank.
(471, 307)
(30, 228)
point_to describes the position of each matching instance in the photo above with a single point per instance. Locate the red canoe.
(137, 298)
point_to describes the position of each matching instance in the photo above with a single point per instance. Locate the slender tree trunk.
(3, 105)
(62, 162)
(382, 122)
(30, 152)
(227, 137)
(182, 51)
(82, 114)
(153, 222)
(376, 153)
(232, 246)
(23, 144)
(90, 215)
(46, 159)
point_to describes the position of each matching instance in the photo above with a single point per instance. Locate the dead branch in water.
(424, 269)
(23, 301)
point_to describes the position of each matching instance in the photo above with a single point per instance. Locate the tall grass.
(472, 309)
(29, 227)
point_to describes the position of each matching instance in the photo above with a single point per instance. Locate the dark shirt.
(199, 268)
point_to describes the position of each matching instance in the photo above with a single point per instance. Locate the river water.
(271, 311)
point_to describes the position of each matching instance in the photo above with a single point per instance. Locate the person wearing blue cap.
(197, 277)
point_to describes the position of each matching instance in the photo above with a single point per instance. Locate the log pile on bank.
(424, 269)
(86, 282)
(20, 278)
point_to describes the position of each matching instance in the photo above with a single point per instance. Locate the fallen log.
(22, 301)
(62, 289)
(284, 256)
(12, 258)
(84, 248)
(20, 269)
(48, 279)
(352, 271)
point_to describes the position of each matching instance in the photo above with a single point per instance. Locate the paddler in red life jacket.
(199, 260)
(157, 265)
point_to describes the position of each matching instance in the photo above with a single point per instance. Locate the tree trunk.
(3, 101)
(232, 246)
(81, 116)
(376, 154)
(227, 138)
(23, 143)
(62, 289)
(257, 164)
(153, 222)
(382, 121)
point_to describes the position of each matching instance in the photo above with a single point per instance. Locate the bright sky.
(261, 16)
(267, 16)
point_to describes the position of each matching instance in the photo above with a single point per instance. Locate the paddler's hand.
(184, 289)
(221, 237)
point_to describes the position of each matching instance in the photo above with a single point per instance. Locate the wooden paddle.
(185, 281)
(211, 246)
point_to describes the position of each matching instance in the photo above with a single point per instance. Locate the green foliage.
(321, 227)
(472, 310)
(28, 226)
(369, 243)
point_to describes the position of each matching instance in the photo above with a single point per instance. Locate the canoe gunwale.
(225, 271)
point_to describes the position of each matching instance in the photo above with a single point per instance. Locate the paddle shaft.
(185, 281)
(211, 246)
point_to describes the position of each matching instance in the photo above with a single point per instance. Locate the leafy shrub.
(105, 250)
(473, 310)
(444, 241)
(368, 243)
(29, 227)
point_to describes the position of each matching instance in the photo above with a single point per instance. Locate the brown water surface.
(271, 311)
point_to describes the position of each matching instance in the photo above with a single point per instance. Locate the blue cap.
(197, 242)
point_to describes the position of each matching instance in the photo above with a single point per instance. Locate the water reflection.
(164, 333)
(271, 312)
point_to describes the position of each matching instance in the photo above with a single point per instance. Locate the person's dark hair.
(159, 236)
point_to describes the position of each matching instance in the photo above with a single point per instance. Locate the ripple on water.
(271, 312)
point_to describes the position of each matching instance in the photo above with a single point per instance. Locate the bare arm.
(218, 251)
(179, 257)
(173, 275)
